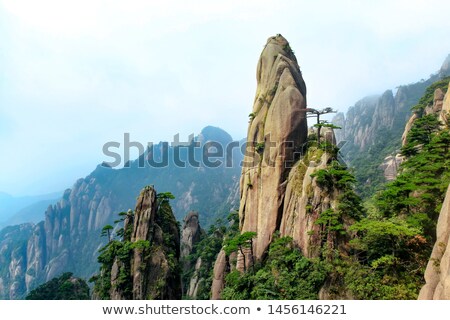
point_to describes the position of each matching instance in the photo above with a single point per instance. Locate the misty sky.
(76, 74)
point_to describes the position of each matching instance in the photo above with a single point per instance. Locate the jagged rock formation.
(221, 268)
(154, 277)
(408, 127)
(68, 239)
(439, 107)
(366, 117)
(13, 248)
(278, 193)
(190, 234)
(373, 128)
(437, 274)
(364, 121)
(445, 112)
(152, 242)
(278, 128)
(391, 166)
(195, 281)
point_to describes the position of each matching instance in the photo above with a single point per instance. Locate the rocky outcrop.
(152, 242)
(190, 234)
(13, 260)
(408, 127)
(391, 166)
(444, 116)
(221, 268)
(277, 129)
(339, 120)
(437, 274)
(439, 107)
(155, 276)
(195, 281)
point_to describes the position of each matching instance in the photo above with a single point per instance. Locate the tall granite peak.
(190, 234)
(280, 192)
(144, 264)
(278, 120)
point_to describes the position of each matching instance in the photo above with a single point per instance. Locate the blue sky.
(76, 74)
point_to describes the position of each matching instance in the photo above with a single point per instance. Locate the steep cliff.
(65, 287)
(437, 277)
(191, 233)
(13, 264)
(277, 129)
(292, 186)
(144, 264)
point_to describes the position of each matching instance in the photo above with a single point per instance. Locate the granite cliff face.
(191, 234)
(366, 118)
(278, 128)
(66, 240)
(279, 192)
(437, 275)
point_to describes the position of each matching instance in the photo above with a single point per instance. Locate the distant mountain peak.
(211, 133)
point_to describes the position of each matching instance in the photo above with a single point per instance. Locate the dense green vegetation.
(285, 274)
(393, 243)
(65, 287)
